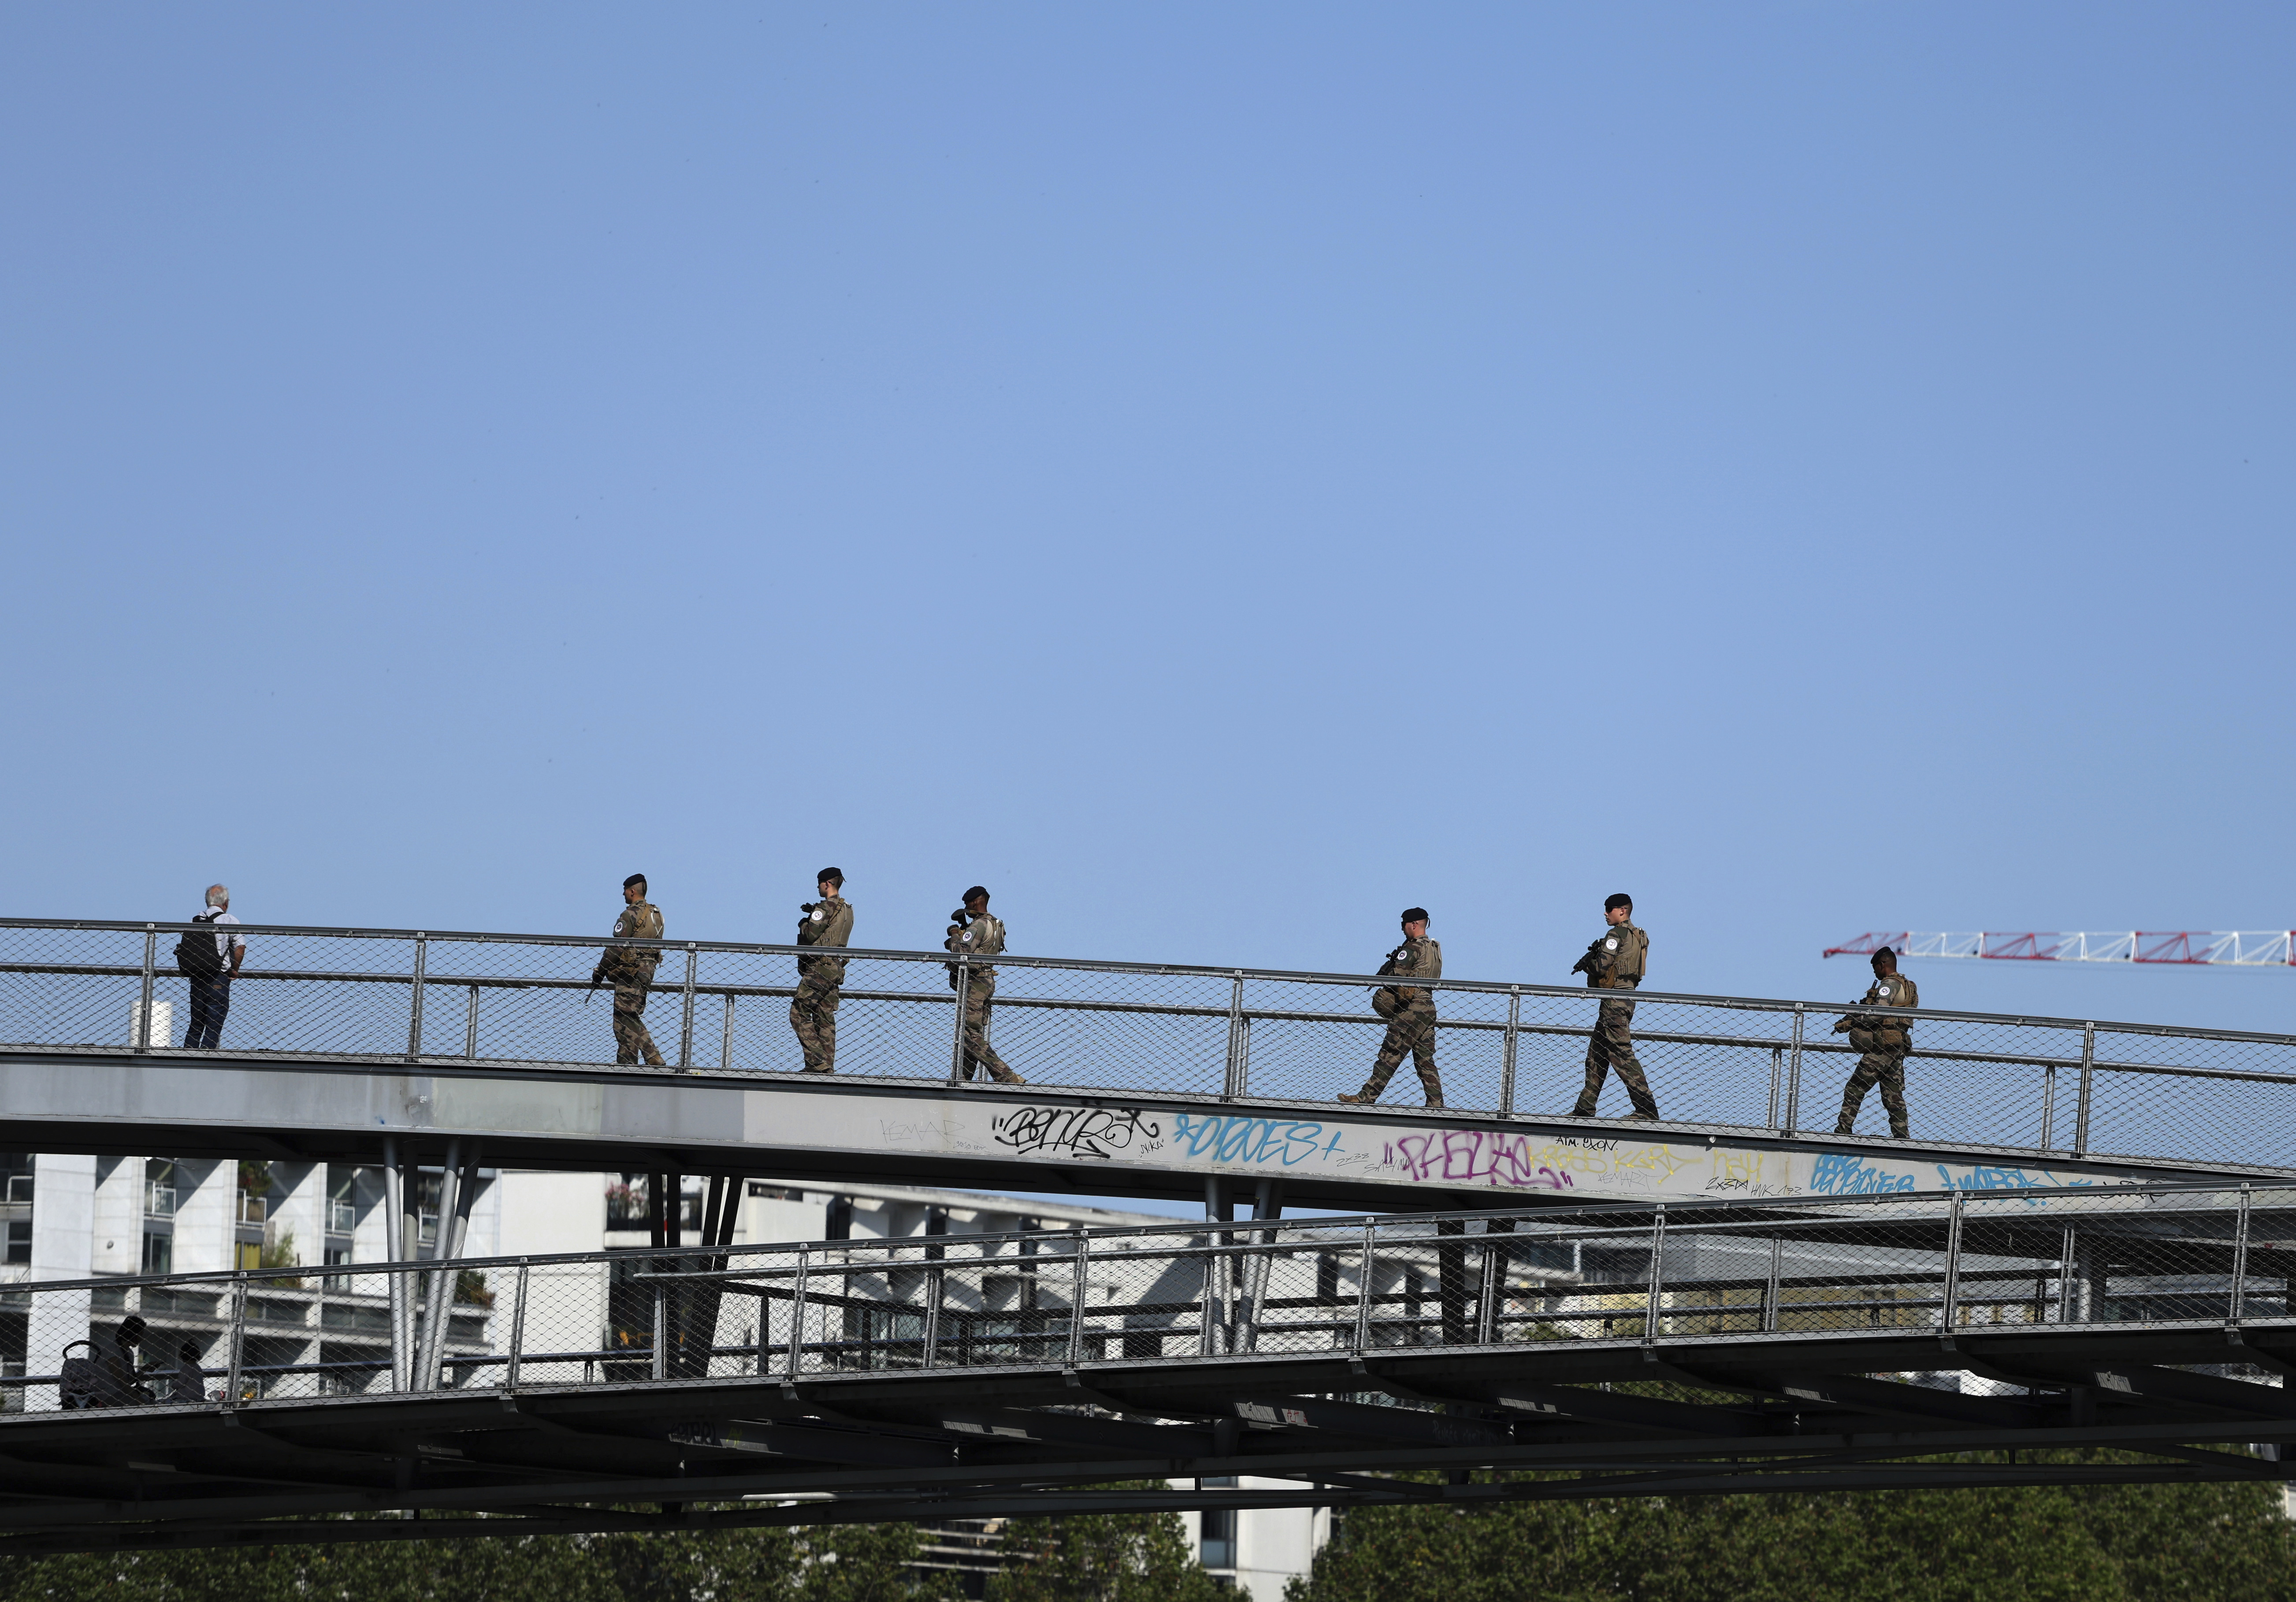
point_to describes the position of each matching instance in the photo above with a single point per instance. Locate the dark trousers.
(210, 1000)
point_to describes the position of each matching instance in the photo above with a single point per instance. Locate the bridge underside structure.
(1709, 1349)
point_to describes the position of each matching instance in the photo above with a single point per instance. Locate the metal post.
(414, 1020)
(2089, 1064)
(436, 1300)
(1778, 1074)
(1657, 1275)
(1506, 1051)
(471, 1028)
(2048, 1108)
(396, 1208)
(2065, 1278)
(517, 1328)
(1212, 1306)
(660, 1328)
(1949, 1314)
(453, 1231)
(143, 1017)
(1077, 1290)
(1794, 1076)
(1495, 1271)
(957, 1069)
(685, 1024)
(1363, 1289)
(932, 1315)
(797, 1318)
(2240, 1263)
(238, 1338)
(1230, 1083)
(1770, 1289)
(725, 1047)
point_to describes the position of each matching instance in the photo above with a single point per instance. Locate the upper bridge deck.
(1143, 1079)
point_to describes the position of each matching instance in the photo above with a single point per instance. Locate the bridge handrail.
(2004, 1082)
(1367, 981)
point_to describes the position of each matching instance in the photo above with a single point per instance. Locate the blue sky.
(1216, 474)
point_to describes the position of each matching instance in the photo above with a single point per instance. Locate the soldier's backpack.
(196, 956)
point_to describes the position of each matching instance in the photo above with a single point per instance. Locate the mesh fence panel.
(1996, 1082)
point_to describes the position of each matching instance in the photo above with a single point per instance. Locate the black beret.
(830, 875)
(1414, 914)
(1611, 903)
(635, 878)
(1885, 952)
(976, 892)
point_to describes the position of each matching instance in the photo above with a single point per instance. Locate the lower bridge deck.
(1714, 1347)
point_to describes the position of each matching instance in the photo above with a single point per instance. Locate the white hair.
(219, 895)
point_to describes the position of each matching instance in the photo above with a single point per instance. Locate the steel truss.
(1708, 1349)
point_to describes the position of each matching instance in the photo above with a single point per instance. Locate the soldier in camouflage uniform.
(1615, 959)
(973, 933)
(630, 969)
(1409, 1010)
(813, 1010)
(1883, 1042)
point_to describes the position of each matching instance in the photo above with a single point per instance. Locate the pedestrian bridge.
(1146, 1080)
(1718, 1346)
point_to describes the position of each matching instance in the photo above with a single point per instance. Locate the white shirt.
(224, 943)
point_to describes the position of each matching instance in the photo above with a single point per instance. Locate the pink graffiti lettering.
(1473, 1156)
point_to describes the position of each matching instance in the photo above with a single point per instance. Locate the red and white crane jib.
(2234, 948)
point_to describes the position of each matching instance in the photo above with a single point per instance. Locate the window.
(158, 1255)
(840, 1225)
(342, 1200)
(159, 1189)
(20, 1240)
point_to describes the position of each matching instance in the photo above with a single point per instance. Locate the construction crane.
(2185, 948)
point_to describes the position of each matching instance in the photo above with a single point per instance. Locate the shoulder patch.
(1610, 944)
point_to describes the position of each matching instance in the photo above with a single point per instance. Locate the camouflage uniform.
(813, 1010)
(1615, 960)
(1883, 1042)
(1410, 1014)
(631, 971)
(982, 937)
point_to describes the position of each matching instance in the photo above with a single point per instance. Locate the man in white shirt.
(212, 992)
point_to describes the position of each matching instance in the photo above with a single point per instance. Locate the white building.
(70, 1217)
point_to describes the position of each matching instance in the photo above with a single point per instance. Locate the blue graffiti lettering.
(1984, 1176)
(1244, 1140)
(1837, 1174)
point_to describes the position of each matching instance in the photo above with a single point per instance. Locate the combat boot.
(1361, 1098)
(1901, 1130)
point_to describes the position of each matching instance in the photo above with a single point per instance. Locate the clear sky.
(1215, 474)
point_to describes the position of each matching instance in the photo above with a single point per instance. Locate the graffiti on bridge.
(1241, 1139)
(1078, 1131)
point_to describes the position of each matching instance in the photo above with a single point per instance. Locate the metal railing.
(2146, 1258)
(2039, 1084)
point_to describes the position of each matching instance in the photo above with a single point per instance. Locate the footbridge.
(1889, 1340)
(1144, 1080)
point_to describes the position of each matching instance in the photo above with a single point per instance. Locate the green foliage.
(2146, 1543)
(1102, 1558)
(866, 1563)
